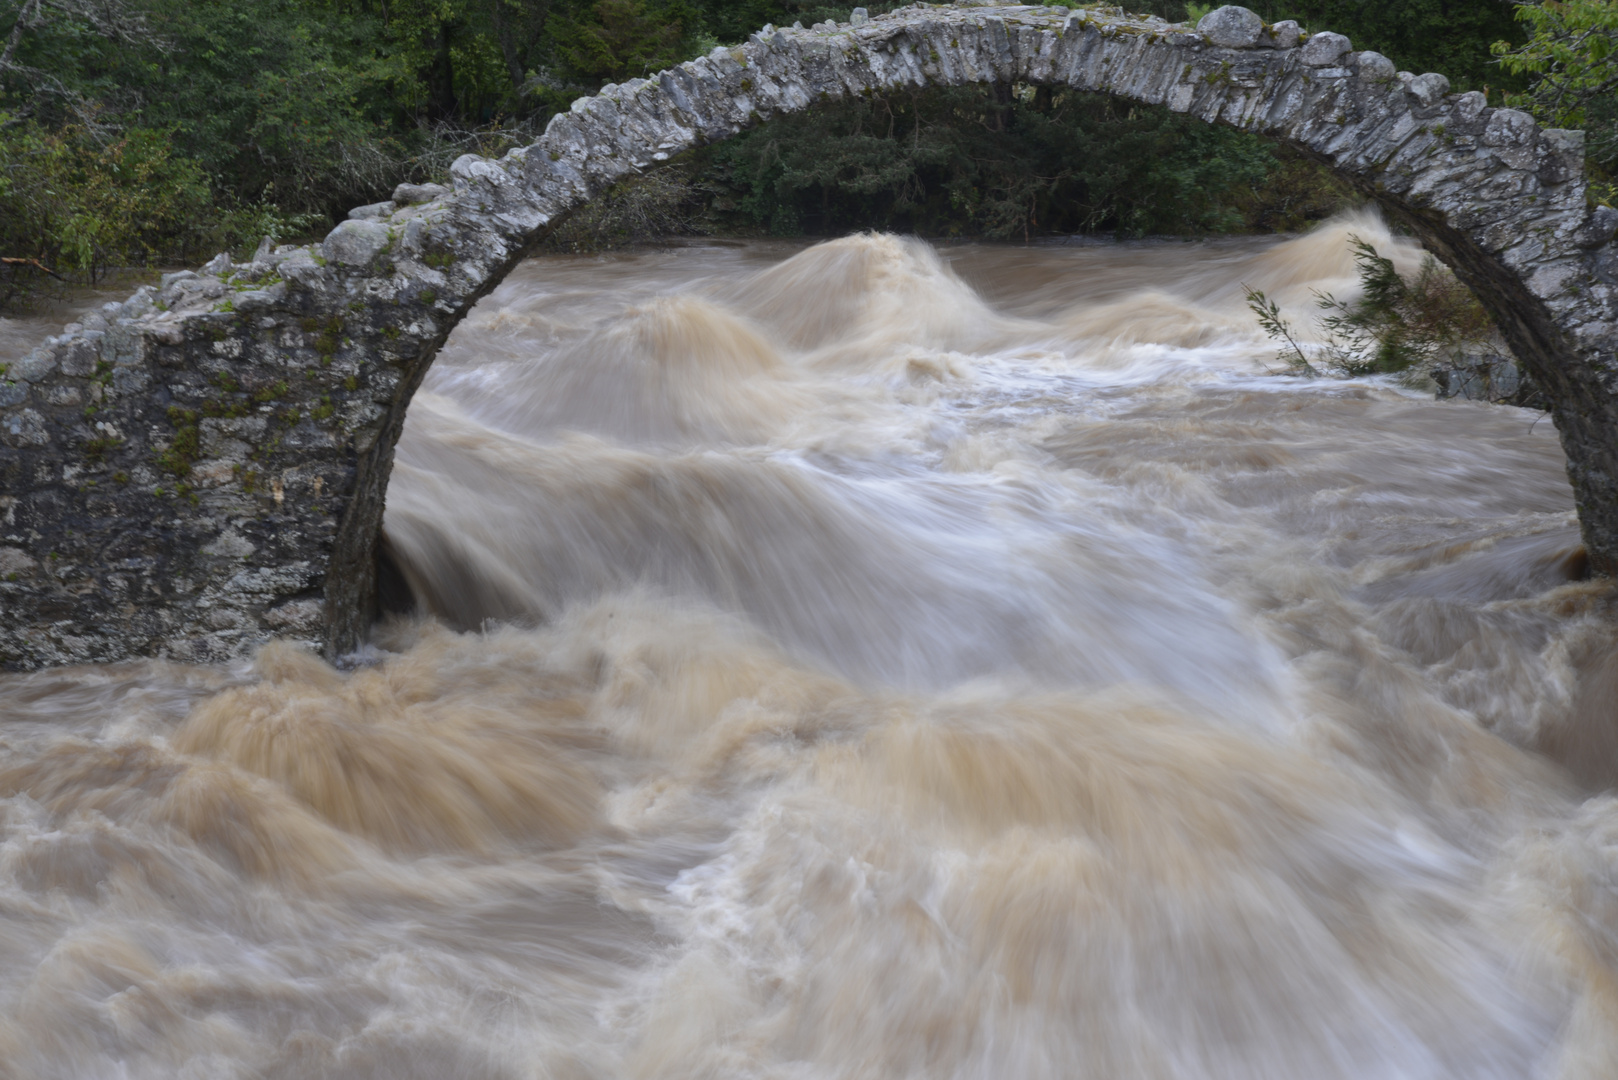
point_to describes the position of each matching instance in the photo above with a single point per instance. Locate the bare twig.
(35, 263)
(1273, 324)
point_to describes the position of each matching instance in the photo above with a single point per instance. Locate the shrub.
(1429, 323)
(84, 205)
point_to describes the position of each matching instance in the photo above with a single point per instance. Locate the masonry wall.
(204, 466)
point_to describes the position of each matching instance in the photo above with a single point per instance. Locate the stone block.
(16, 561)
(131, 380)
(1324, 50)
(355, 243)
(1509, 127)
(1566, 141)
(1231, 27)
(230, 544)
(25, 427)
(1286, 34)
(1428, 89)
(469, 167)
(1514, 137)
(259, 300)
(1469, 106)
(296, 615)
(1561, 155)
(79, 358)
(170, 333)
(35, 366)
(1598, 227)
(302, 269)
(412, 194)
(1374, 67)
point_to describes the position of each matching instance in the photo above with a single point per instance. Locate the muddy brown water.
(55, 304)
(870, 660)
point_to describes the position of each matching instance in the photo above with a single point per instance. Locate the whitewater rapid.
(870, 660)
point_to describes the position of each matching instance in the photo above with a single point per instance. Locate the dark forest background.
(134, 131)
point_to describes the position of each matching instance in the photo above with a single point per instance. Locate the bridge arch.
(204, 466)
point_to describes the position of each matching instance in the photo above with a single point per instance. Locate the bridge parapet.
(204, 466)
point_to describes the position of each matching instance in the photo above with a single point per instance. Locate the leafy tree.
(615, 40)
(280, 111)
(988, 161)
(81, 204)
(1572, 57)
(49, 41)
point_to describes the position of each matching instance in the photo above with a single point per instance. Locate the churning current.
(870, 661)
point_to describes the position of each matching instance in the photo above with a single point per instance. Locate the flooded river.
(873, 661)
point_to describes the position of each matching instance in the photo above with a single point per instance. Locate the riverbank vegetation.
(1419, 326)
(1571, 58)
(138, 131)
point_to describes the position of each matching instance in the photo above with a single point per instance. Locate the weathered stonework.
(203, 466)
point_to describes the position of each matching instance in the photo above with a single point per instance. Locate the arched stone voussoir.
(204, 466)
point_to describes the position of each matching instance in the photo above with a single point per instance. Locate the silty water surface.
(870, 661)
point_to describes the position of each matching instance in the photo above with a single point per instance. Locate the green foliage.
(985, 161)
(1394, 325)
(81, 202)
(1572, 57)
(329, 336)
(1295, 194)
(1418, 35)
(1572, 51)
(147, 130)
(617, 40)
(269, 393)
(1275, 325)
(184, 447)
(84, 205)
(97, 448)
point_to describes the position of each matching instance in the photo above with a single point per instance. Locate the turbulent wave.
(870, 660)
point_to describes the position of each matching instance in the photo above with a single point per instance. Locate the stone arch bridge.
(203, 466)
